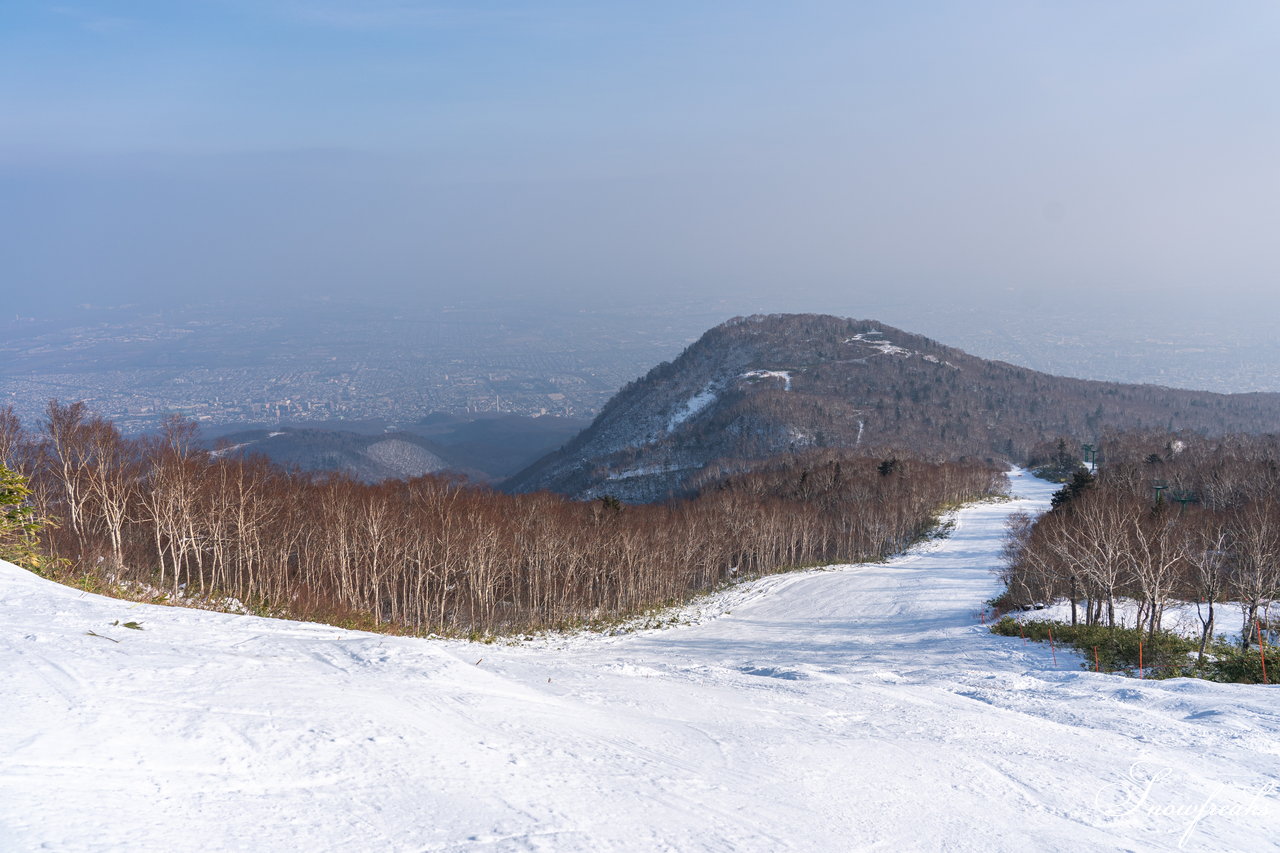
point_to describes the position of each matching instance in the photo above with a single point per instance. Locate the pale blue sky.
(812, 149)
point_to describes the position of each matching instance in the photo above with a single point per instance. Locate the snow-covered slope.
(857, 708)
(756, 387)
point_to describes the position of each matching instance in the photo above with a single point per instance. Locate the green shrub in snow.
(19, 526)
(1166, 655)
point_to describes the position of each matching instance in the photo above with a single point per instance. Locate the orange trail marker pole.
(1096, 666)
(1052, 649)
(1262, 651)
(1021, 633)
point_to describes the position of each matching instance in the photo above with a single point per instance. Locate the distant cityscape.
(223, 365)
(326, 362)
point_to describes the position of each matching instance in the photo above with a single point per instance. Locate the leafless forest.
(1165, 518)
(432, 554)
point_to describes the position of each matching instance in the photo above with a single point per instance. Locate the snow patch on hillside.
(404, 458)
(874, 340)
(645, 471)
(885, 347)
(784, 375)
(224, 451)
(800, 438)
(695, 404)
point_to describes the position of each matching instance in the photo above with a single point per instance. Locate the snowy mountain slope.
(756, 387)
(856, 708)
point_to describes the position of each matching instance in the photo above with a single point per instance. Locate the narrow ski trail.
(861, 707)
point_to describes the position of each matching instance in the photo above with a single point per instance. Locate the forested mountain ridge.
(483, 448)
(757, 386)
(367, 458)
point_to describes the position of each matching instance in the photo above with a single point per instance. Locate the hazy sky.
(822, 152)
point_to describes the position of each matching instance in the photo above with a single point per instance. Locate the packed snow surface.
(860, 707)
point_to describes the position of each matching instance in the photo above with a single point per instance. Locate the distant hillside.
(483, 449)
(496, 446)
(757, 386)
(370, 458)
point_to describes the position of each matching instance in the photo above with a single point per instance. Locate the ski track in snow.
(860, 707)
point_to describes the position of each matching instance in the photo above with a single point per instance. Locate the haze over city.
(1060, 159)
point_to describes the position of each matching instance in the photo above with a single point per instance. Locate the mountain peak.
(761, 385)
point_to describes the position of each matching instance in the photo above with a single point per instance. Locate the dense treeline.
(1165, 518)
(433, 554)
